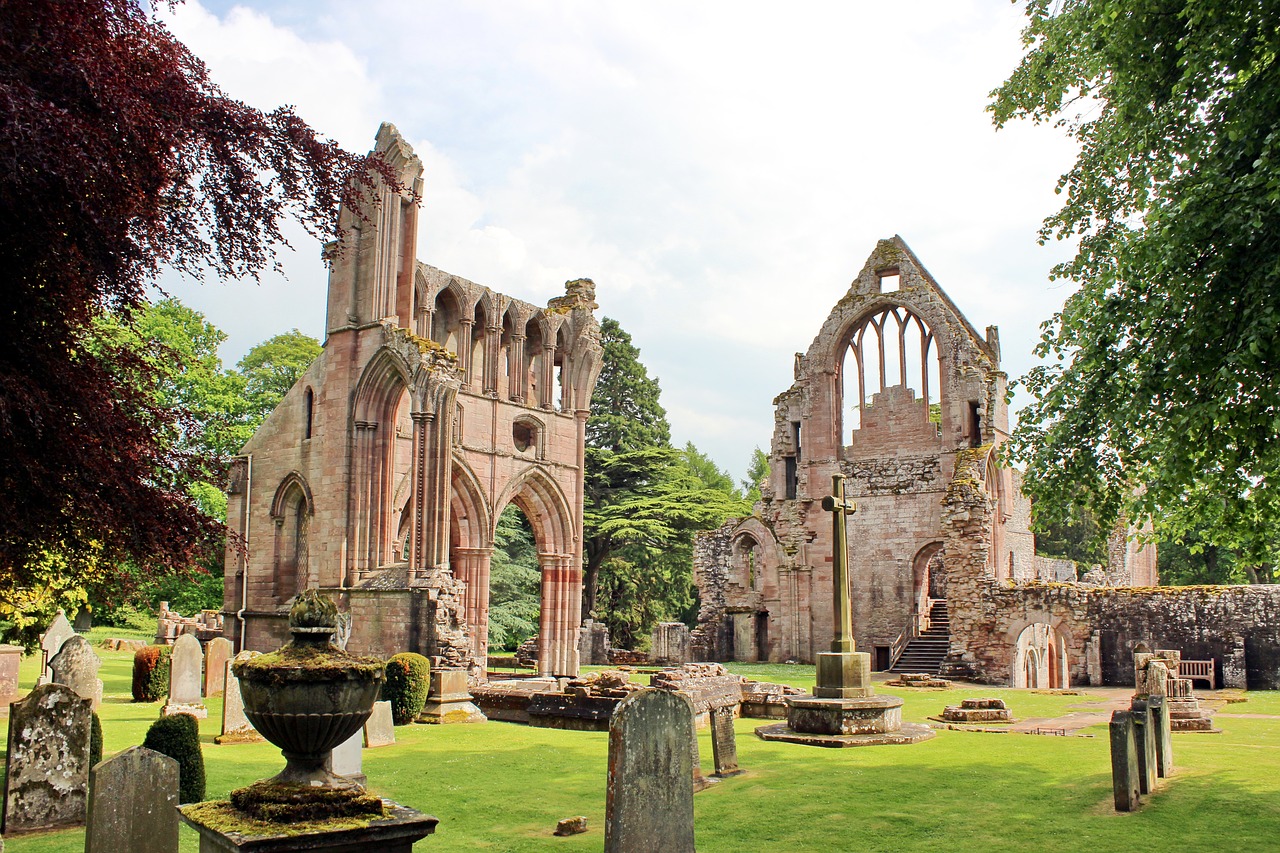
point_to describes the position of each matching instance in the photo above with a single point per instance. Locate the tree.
(625, 412)
(272, 367)
(120, 158)
(643, 499)
(514, 577)
(757, 474)
(1159, 397)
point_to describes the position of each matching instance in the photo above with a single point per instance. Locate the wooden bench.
(1198, 669)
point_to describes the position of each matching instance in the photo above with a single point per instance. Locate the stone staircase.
(926, 652)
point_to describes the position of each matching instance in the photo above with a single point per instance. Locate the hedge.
(151, 673)
(408, 679)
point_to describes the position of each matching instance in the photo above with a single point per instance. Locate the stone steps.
(926, 652)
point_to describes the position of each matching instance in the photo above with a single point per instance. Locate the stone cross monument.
(844, 709)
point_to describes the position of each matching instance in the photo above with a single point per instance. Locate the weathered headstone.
(216, 655)
(58, 632)
(1124, 762)
(379, 729)
(76, 665)
(1145, 742)
(724, 743)
(10, 660)
(236, 727)
(83, 623)
(184, 679)
(346, 760)
(649, 803)
(47, 768)
(1164, 734)
(133, 800)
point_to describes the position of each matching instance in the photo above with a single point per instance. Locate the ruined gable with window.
(435, 403)
(896, 383)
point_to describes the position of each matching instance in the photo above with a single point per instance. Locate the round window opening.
(524, 435)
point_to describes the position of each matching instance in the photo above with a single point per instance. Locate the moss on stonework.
(222, 816)
(274, 803)
(293, 663)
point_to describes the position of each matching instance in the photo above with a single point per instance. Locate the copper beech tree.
(120, 158)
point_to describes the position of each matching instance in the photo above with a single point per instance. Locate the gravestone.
(649, 801)
(133, 799)
(1124, 762)
(216, 655)
(379, 729)
(345, 759)
(47, 768)
(10, 660)
(76, 665)
(724, 743)
(1164, 735)
(83, 623)
(1144, 737)
(58, 632)
(236, 727)
(184, 679)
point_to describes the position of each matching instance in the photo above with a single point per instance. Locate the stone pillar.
(464, 349)
(472, 566)
(546, 378)
(1234, 672)
(492, 352)
(432, 468)
(561, 608)
(361, 490)
(515, 359)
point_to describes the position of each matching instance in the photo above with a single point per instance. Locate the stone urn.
(307, 698)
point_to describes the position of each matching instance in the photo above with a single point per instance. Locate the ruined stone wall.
(1053, 569)
(1107, 623)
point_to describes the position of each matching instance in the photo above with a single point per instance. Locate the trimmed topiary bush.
(408, 679)
(95, 739)
(178, 737)
(151, 673)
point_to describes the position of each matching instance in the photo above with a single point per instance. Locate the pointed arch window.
(891, 347)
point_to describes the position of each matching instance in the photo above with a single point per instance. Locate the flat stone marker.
(1124, 762)
(58, 632)
(76, 665)
(379, 729)
(184, 679)
(47, 769)
(133, 801)
(216, 655)
(724, 743)
(345, 759)
(649, 801)
(1144, 737)
(236, 727)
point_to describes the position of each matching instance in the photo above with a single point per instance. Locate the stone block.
(1164, 735)
(1144, 737)
(571, 826)
(47, 768)
(379, 729)
(1124, 762)
(649, 800)
(844, 675)
(133, 799)
(448, 700)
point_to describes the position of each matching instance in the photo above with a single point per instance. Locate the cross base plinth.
(844, 675)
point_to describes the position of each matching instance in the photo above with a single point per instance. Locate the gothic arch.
(471, 524)
(546, 507)
(291, 511)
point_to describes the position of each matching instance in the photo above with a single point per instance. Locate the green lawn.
(500, 786)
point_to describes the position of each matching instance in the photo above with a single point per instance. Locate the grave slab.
(379, 729)
(216, 655)
(58, 632)
(236, 727)
(76, 665)
(1124, 762)
(133, 799)
(649, 801)
(185, 667)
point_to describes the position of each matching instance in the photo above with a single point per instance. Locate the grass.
(502, 787)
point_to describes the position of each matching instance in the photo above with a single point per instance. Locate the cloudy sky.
(720, 169)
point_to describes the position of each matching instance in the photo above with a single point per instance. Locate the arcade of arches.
(434, 404)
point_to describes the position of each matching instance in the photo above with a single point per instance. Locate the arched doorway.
(1041, 659)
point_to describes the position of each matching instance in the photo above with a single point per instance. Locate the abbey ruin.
(379, 479)
(436, 402)
(902, 395)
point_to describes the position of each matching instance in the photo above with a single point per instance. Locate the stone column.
(464, 349)
(561, 611)
(515, 359)
(472, 566)
(492, 351)
(431, 467)
(360, 488)
(546, 378)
